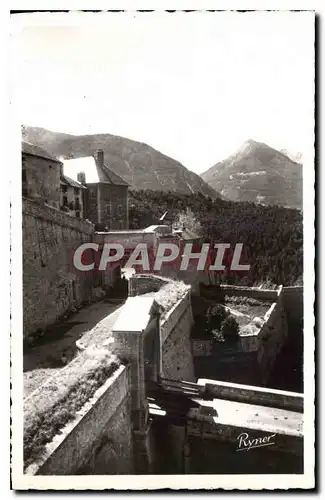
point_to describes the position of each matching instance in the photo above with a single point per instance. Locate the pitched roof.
(112, 177)
(93, 171)
(31, 149)
(72, 182)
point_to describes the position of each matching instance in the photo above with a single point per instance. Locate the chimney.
(81, 177)
(100, 157)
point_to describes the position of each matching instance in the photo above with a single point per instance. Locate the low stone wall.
(253, 293)
(140, 284)
(291, 401)
(98, 440)
(176, 349)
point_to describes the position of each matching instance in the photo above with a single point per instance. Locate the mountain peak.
(258, 173)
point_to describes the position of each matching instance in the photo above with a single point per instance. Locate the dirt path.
(92, 324)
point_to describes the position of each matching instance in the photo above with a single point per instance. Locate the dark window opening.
(76, 191)
(78, 215)
(65, 200)
(64, 188)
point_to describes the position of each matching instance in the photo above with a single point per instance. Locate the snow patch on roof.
(73, 167)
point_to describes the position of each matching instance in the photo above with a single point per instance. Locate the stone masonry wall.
(176, 349)
(291, 401)
(293, 297)
(42, 179)
(141, 284)
(253, 293)
(251, 359)
(51, 284)
(113, 206)
(272, 336)
(99, 440)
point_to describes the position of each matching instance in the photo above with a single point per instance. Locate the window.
(78, 215)
(65, 200)
(76, 191)
(77, 203)
(64, 188)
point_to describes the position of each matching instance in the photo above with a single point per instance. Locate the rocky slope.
(260, 174)
(139, 164)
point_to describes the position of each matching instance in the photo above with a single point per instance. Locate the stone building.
(106, 198)
(40, 175)
(71, 197)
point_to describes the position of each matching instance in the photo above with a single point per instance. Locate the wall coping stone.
(52, 214)
(71, 427)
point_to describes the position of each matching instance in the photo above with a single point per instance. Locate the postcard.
(162, 332)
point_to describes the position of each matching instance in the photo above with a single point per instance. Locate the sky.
(193, 86)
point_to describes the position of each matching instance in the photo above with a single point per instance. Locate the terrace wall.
(98, 440)
(175, 339)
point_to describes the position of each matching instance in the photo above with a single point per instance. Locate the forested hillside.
(272, 236)
(260, 174)
(142, 166)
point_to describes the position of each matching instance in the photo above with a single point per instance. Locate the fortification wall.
(51, 285)
(99, 439)
(251, 359)
(42, 179)
(272, 336)
(293, 299)
(175, 339)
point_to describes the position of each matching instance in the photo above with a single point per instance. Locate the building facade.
(71, 197)
(106, 199)
(40, 175)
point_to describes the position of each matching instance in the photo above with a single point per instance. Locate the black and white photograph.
(162, 228)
